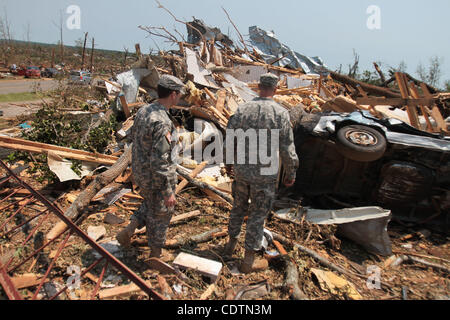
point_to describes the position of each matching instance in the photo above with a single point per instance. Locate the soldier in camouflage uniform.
(153, 168)
(261, 113)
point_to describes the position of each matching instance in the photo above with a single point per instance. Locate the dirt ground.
(407, 281)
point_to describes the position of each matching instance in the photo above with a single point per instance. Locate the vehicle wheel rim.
(361, 138)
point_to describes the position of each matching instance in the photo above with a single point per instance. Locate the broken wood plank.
(221, 98)
(26, 280)
(211, 95)
(120, 291)
(435, 113)
(206, 267)
(404, 90)
(415, 94)
(124, 103)
(36, 147)
(193, 175)
(133, 196)
(185, 216)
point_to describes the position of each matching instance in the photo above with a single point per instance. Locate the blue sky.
(411, 31)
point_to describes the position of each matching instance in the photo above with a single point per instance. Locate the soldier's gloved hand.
(171, 201)
(289, 183)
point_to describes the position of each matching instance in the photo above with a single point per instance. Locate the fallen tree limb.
(429, 264)
(291, 281)
(313, 254)
(202, 185)
(80, 205)
(321, 259)
(367, 87)
(199, 238)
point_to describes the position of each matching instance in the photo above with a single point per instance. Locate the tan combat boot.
(124, 236)
(250, 264)
(229, 248)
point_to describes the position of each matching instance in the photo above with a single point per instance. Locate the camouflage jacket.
(265, 114)
(153, 168)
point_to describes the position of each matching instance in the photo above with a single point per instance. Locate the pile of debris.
(62, 245)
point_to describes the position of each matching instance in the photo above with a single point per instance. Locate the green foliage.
(52, 126)
(447, 86)
(433, 74)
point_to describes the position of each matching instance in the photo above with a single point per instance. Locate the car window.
(75, 73)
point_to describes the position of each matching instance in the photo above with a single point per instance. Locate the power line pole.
(84, 51)
(92, 55)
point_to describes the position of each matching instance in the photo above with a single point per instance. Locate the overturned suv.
(358, 159)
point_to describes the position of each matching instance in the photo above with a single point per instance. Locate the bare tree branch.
(240, 35)
(180, 21)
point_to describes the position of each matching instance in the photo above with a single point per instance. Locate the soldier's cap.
(172, 83)
(269, 80)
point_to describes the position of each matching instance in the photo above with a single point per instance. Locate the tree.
(353, 69)
(402, 67)
(6, 36)
(432, 76)
(447, 85)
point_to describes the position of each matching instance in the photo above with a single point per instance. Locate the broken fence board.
(36, 147)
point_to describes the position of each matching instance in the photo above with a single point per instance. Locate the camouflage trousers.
(262, 197)
(155, 216)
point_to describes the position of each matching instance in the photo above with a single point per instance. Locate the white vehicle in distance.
(80, 77)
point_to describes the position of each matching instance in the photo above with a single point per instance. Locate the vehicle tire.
(360, 143)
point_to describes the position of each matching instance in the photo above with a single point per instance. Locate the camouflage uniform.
(261, 113)
(153, 170)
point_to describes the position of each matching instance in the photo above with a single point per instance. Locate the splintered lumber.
(80, 205)
(185, 216)
(435, 113)
(367, 87)
(221, 98)
(341, 104)
(124, 103)
(26, 280)
(202, 185)
(415, 94)
(36, 147)
(412, 111)
(268, 66)
(211, 95)
(193, 175)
